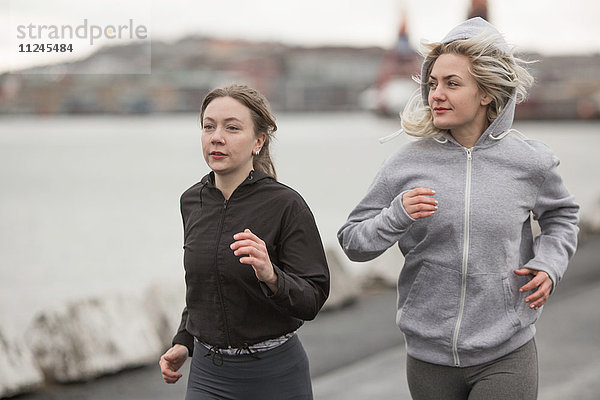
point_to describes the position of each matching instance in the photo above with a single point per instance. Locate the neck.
(469, 134)
(466, 139)
(227, 183)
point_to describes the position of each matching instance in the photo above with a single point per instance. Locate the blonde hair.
(262, 118)
(498, 73)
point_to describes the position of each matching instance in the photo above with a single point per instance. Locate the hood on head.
(471, 28)
(466, 30)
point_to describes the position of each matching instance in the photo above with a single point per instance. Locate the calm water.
(91, 204)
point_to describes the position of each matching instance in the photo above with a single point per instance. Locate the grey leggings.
(278, 374)
(514, 376)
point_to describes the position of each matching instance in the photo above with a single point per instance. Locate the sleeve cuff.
(184, 338)
(403, 220)
(553, 277)
(280, 285)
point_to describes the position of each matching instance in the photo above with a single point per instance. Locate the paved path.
(357, 353)
(568, 341)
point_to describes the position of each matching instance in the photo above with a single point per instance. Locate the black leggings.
(278, 374)
(513, 376)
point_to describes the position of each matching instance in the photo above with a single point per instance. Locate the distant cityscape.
(304, 79)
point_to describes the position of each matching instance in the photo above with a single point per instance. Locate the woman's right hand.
(171, 361)
(418, 202)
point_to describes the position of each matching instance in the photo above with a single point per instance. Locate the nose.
(217, 136)
(437, 93)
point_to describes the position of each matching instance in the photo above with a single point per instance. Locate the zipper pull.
(225, 204)
(469, 157)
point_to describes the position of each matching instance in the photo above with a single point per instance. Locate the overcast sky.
(546, 26)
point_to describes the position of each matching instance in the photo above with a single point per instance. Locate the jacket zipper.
(465, 260)
(219, 288)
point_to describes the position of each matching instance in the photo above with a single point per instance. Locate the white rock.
(19, 372)
(536, 230)
(82, 340)
(590, 221)
(344, 287)
(164, 302)
(385, 269)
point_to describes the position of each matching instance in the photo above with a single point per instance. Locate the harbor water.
(90, 204)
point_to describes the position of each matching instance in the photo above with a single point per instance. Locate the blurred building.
(567, 87)
(293, 78)
(395, 84)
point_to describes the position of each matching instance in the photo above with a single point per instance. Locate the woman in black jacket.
(254, 262)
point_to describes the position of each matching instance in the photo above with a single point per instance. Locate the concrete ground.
(358, 353)
(568, 341)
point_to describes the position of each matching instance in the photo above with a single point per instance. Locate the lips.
(440, 110)
(217, 155)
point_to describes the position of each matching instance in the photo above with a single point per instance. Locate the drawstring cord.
(217, 356)
(443, 140)
(391, 136)
(505, 133)
(249, 351)
(394, 135)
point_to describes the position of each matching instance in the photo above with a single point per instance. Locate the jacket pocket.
(526, 315)
(432, 304)
(489, 317)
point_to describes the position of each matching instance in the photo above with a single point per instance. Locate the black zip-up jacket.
(226, 305)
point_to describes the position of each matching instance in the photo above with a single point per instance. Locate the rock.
(19, 372)
(345, 288)
(82, 340)
(590, 222)
(536, 230)
(164, 303)
(383, 271)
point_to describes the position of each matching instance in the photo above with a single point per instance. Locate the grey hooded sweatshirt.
(458, 297)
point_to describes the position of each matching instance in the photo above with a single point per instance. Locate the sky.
(545, 26)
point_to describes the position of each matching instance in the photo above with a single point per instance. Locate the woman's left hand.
(255, 253)
(541, 282)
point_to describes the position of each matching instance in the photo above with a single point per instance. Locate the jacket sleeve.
(302, 271)
(182, 336)
(376, 224)
(557, 214)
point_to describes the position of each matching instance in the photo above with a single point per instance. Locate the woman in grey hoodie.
(458, 203)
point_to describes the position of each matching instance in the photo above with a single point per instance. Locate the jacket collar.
(253, 177)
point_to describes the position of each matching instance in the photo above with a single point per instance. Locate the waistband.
(268, 344)
(436, 353)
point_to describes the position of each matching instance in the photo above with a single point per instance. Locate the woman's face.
(457, 104)
(228, 137)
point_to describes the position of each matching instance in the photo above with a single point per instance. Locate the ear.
(485, 99)
(260, 141)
